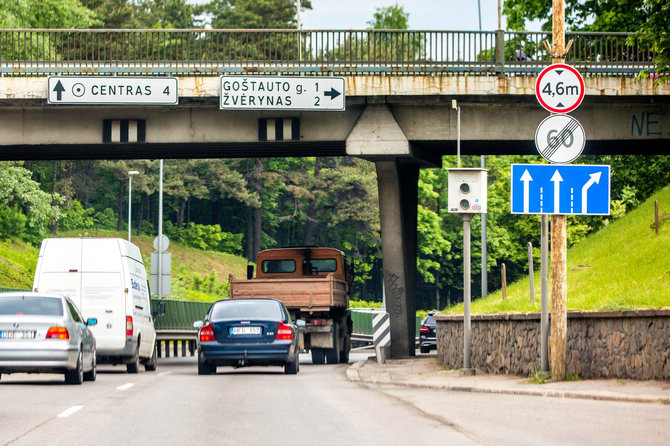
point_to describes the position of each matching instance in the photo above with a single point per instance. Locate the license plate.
(241, 331)
(17, 334)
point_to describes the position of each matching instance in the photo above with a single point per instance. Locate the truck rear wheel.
(344, 354)
(318, 356)
(333, 354)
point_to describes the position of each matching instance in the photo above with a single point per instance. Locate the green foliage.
(45, 14)
(390, 17)
(241, 14)
(106, 219)
(75, 217)
(653, 32)
(210, 237)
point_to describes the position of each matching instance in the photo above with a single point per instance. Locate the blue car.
(247, 332)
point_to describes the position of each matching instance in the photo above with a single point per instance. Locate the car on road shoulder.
(45, 333)
(247, 332)
(428, 333)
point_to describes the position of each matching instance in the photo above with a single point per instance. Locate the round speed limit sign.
(560, 88)
(560, 138)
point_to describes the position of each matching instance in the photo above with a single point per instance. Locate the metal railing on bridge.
(200, 52)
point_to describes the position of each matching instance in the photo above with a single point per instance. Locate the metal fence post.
(500, 53)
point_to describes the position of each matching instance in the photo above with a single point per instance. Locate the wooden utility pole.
(559, 276)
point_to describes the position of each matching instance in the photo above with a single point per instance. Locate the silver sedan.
(41, 333)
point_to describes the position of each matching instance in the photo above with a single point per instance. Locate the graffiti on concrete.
(649, 123)
(395, 292)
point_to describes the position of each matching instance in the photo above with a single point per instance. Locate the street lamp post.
(130, 190)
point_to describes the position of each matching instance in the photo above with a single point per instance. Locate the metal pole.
(299, 33)
(130, 188)
(467, 347)
(160, 231)
(485, 285)
(544, 294)
(456, 107)
(531, 272)
(479, 6)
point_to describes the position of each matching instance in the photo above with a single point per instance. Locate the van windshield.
(31, 305)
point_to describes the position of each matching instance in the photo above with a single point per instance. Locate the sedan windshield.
(247, 309)
(32, 305)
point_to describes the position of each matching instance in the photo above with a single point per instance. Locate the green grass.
(624, 266)
(17, 264)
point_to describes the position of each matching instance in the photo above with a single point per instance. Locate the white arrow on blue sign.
(570, 189)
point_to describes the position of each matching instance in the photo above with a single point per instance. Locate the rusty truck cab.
(302, 262)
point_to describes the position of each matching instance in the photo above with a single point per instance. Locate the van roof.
(127, 248)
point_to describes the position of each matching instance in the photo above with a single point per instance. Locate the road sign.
(560, 138)
(559, 88)
(575, 189)
(99, 90)
(282, 93)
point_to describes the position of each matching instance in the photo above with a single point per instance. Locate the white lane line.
(70, 411)
(125, 386)
(165, 373)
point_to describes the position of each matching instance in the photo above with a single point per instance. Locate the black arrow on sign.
(59, 89)
(332, 93)
(559, 72)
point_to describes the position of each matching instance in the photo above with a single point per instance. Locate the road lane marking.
(125, 386)
(164, 373)
(70, 411)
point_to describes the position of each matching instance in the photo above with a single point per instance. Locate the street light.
(130, 190)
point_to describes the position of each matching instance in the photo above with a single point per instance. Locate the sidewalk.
(425, 372)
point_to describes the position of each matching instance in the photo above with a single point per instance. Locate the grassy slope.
(18, 260)
(623, 266)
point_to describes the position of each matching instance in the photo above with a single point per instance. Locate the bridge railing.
(39, 52)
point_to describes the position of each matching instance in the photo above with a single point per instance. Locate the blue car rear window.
(31, 305)
(231, 309)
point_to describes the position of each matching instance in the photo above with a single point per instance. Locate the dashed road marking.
(125, 386)
(69, 411)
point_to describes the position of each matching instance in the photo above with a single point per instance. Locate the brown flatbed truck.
(313, 283)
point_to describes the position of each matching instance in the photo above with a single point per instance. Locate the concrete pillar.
(398, 185)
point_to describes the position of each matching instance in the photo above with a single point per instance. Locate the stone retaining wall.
(632, 344)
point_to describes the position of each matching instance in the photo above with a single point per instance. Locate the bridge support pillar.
(398, 186)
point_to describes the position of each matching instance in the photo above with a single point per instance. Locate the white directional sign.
(560, 88)
(99, 90)
(560, 138)
(282, 93)
(575, 189)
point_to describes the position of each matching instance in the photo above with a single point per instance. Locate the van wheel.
(76, 376)
(92, 374)
(150, 365)
(134, 365)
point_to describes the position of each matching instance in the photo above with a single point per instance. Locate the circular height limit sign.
(559, 88)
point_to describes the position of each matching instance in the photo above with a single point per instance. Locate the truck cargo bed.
(304, 293)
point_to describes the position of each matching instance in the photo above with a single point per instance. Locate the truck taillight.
(129, 326)
(206, 333)
(318, 322)
(284, 332)
(424, 329)
(58, 333)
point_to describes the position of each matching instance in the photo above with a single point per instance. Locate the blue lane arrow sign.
(574, 189)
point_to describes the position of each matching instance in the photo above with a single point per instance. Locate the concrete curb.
(384, 378)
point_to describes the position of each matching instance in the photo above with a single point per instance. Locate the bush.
(106, 219)
(210, 237)
(76, 217)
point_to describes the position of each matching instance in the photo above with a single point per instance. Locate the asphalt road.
(259, 406)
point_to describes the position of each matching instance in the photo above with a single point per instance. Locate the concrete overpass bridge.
(399, 88)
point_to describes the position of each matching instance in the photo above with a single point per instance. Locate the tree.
(45, 14)
(254, 14)
(653, 31)
(390, 17)
(585, 15)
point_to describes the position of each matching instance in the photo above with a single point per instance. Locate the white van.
(106, 278)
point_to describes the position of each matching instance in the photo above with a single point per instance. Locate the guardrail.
(200, 52)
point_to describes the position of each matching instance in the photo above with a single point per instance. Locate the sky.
(458, 15)
(443, 15)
